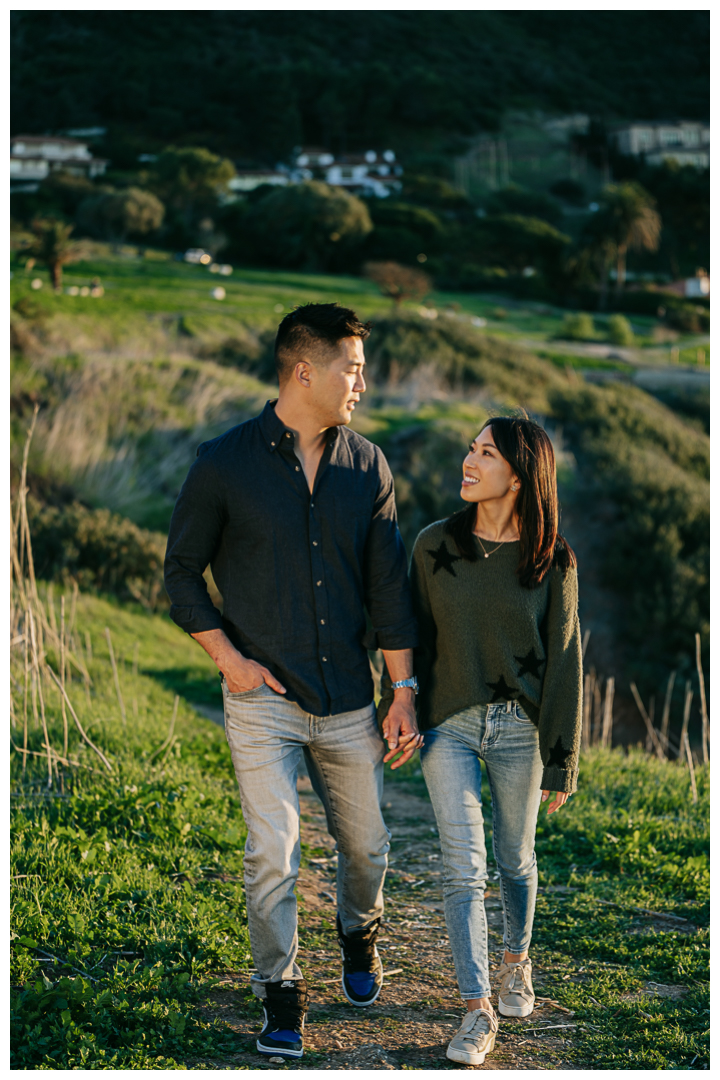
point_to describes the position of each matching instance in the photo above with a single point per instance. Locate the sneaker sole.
(515, 1010)
(278, 1053)
(362, 1004)
(465, 1057)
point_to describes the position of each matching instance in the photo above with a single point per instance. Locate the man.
(296, 516)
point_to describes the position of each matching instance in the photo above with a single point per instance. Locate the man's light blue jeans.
(507, 741)
(268, 736)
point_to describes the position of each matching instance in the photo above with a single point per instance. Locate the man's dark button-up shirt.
(296, 569)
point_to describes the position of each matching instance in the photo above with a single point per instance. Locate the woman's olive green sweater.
(486, 639)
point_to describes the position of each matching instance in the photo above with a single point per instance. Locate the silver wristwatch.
(406, 682)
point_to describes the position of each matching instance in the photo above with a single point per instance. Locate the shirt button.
(272, 443)
(324, 659)
(318, 582)
(312, 506)
(314, 543)
(287, 434)
(297, 468)
(322, 622)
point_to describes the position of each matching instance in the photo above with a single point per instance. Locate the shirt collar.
(272, 426)
(275, 431)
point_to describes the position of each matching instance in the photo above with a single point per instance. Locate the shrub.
(578, 327)
(398, 282)
(99, 550)
(619, 330)
(645, 481)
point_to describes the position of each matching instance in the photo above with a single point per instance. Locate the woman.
(500, 677)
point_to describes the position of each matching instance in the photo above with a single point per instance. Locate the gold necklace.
(487, 554)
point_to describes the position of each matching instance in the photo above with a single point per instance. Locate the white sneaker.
(475, 1038)
(516, 996)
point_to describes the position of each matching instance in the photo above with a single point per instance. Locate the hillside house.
(367, 173)
(686, 142)
(34, 157)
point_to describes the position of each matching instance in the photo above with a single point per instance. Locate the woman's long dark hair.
(529, 452)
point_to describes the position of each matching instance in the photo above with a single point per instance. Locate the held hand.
(561, 797)
(243, 675)
(401, 731)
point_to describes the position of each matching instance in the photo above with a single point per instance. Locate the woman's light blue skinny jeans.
(507, 741)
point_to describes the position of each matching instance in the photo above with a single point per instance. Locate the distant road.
(653, 368)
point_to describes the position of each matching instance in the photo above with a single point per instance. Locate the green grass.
(630, 841)
(171, 300)
(564, 360)
(127, 888)
(127, 899)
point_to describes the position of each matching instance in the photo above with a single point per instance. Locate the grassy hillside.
(128, 902)
(130, 383)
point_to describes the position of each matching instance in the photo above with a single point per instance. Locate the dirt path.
(419, 1008)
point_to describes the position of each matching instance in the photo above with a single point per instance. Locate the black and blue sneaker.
(362, 973)
(285, 1007)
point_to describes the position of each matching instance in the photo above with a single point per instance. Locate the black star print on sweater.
(530, 663)
(444, 560)
(558, 755)
(503, 692)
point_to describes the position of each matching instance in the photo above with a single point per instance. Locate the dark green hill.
(254, 84)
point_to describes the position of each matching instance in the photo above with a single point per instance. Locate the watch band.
(406, 682)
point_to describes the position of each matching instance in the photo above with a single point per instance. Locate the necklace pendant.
(487, 556)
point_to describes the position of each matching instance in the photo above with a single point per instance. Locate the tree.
(52, 244)
(113, 215)
(191, 180)
(305, 226)
(398, 282)
(514, 199)
(402, 232)
(514, 242)
(627, 219)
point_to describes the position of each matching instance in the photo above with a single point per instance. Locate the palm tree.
(627, 219)
(52, 244)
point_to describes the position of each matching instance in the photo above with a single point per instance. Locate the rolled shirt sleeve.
(195, 533)
(387, 590)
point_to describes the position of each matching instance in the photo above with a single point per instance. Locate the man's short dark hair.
(313, 332)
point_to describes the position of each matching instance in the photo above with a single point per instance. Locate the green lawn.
(158, 293)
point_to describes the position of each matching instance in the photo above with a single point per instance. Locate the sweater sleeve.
(560, 723)
(427, 630)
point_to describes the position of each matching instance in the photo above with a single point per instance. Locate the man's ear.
(303, 373)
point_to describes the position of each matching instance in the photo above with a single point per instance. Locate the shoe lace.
(359, 949)
(485, 1017)
(286, 1014)
(516, 970)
